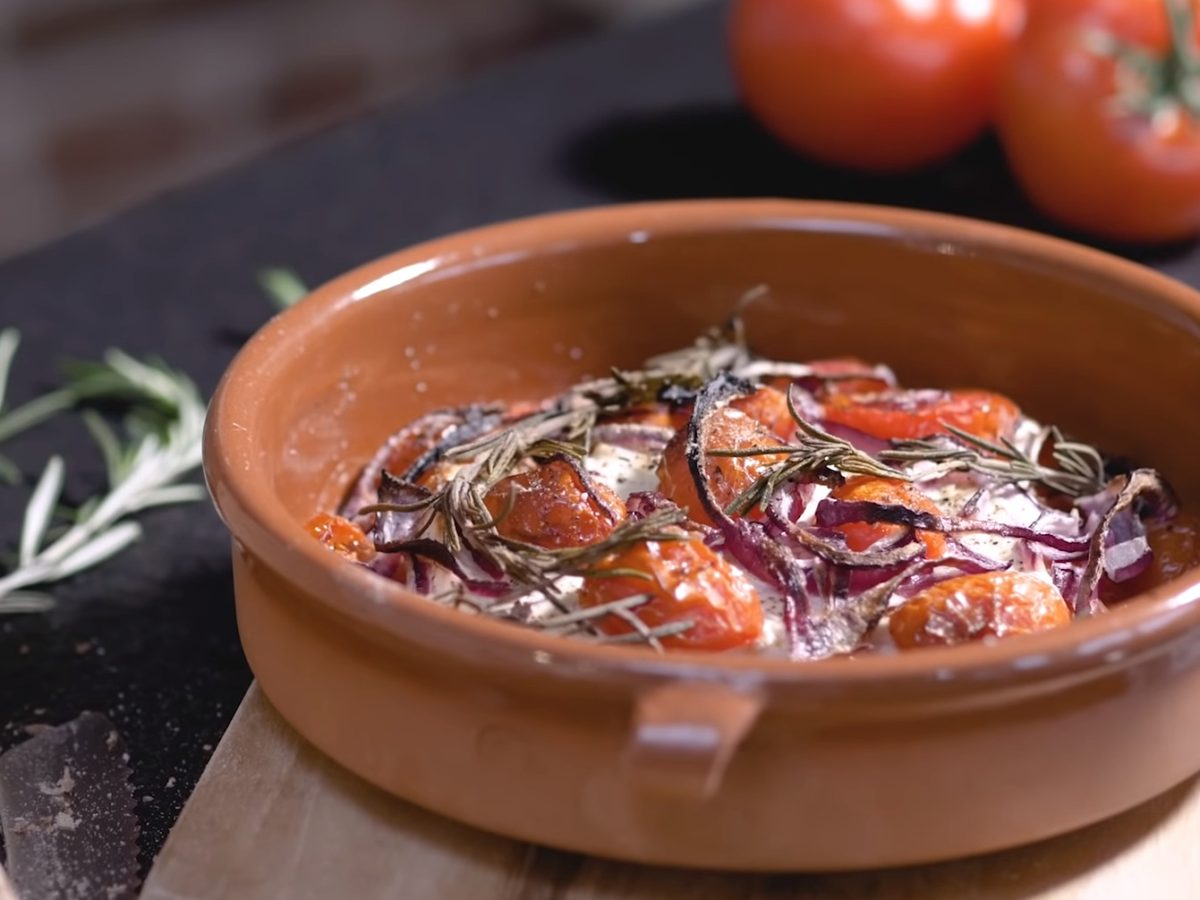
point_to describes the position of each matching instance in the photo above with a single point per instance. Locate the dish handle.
(684, 735)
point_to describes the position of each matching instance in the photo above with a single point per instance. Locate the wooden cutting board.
(273, 818)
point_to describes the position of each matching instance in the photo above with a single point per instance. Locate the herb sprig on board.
(156, 446)
(283, 287)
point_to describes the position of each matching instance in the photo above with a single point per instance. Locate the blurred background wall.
(106, 102)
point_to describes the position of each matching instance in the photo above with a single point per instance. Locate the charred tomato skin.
(863, 535)
(909, 415)
(341, 536)
(550, 506)
(686, 580)
(727, 477)
(975, 607)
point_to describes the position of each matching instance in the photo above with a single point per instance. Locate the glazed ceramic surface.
(705, 760)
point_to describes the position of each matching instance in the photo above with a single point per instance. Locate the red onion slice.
(1140, 485)
(841, 512)
(448, 427)
(394, 527)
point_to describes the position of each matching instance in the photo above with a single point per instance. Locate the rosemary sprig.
(150, 387)
(467, 524)
(459, 507)
(551, 565)
(540, 434)
(581, 623)
(10, 339)
(720, 349)
(283, 287)
(1078, 469)
(643, 632)
(591, 613)
(818, 453)
(655, 527)
(24, 417)
(161, 444)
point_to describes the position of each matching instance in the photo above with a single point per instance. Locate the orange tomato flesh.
(974, 607)
(686, 580)
(911, 415)
(550, 507)
(768, 406)
(341, 536)
(727, 477)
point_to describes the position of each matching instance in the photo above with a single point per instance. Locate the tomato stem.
(1183, 61)
(1152, 84)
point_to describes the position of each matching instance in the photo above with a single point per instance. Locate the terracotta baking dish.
(704, 760)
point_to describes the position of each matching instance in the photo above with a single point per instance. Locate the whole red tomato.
(1097, 139)
(881, 85)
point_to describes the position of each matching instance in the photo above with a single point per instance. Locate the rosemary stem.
(35, 412)
(22, 577)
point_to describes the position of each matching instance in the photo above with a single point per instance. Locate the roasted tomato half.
(727, 477)
(687, 582)
(768, 406)
(341, 536)
(973, 607)
(907, 415)
(551, 506)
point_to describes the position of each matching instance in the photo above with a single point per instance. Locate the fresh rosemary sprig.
(817, 453)
(283, 286)
(118, 378)
(10, 339)
(161, 444)
(22, 418)
(1078, 469)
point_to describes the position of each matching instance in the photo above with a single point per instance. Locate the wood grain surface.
(272, 817)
